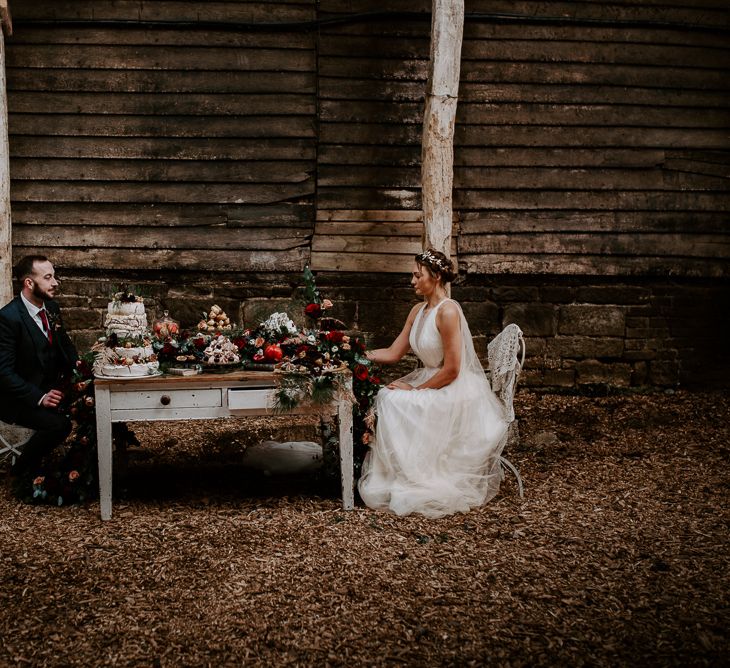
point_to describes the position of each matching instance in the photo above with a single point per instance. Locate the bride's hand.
(399, 385)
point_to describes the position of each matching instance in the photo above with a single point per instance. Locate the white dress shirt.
(34, 311)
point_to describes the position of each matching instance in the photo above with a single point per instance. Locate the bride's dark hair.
(437, 263)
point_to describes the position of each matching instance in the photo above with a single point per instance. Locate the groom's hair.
(24, 267)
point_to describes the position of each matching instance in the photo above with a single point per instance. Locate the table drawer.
(167, 399)
(242, 399)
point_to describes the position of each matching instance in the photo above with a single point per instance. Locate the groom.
(36, 361)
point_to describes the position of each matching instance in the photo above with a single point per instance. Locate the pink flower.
(39, 480)
(73, 475)
(326, 304)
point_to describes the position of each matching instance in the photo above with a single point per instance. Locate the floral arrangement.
(127, 297)
(313, 364)
(74, 476)
(172, 350)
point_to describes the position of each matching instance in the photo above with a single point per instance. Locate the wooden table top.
(241, 376)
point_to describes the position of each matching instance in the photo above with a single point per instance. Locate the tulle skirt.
(436, 452)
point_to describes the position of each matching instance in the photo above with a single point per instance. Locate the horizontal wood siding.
(594, 148)
(182, 148)
(595, 141)
(371, 84)
(369, 240)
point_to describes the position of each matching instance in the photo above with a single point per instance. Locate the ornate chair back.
(12, 439)
(506, 354)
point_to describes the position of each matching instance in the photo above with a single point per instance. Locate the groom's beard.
(38, 293)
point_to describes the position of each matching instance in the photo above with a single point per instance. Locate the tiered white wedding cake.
(127, 351)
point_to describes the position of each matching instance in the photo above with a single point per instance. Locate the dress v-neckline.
(421, 319)
(425, 310)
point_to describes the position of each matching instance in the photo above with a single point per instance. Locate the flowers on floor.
(72, 475)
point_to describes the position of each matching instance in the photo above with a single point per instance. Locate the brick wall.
(580, 332)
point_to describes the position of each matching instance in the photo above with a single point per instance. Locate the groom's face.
(44, 283)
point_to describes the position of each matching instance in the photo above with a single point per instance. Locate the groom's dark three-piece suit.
(30, 366)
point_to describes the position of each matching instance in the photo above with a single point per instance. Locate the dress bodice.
(425, 338)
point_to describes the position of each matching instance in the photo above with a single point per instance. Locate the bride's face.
(422, 280)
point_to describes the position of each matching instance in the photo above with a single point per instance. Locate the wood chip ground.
(618, 555)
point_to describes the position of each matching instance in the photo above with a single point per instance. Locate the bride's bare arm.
(448, 322)
(399, 347)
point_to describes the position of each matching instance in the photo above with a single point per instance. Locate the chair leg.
(507, 464)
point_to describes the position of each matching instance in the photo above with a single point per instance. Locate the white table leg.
(344, 414)
(104, 448)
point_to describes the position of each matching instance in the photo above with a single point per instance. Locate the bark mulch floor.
(618, 555)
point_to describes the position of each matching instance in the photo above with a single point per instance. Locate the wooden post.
(6, 246)
(437, 152)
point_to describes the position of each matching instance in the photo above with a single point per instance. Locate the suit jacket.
(29, 365)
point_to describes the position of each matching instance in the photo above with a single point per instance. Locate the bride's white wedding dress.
(436, 452)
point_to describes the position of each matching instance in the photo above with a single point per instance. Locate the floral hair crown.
(427, 257)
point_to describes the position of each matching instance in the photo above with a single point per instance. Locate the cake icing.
(127, 351)
(126, 319)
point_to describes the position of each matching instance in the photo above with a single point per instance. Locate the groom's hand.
(52, 399)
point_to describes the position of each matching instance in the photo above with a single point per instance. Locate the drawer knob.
(164, 400)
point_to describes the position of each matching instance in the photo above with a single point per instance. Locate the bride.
(440, 429)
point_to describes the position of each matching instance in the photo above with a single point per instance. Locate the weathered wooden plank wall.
(372, 79)
(581, 148)
(183, 148)
(596, 147)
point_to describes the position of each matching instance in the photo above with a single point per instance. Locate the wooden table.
(201, 397)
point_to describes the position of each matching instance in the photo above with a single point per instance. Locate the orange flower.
(73, 475)
(39, 480)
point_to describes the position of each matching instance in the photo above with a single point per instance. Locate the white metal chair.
(506, 353)
(12, 438)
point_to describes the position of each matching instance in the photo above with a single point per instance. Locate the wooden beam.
(6, 255)
(437, 153)
(7, 23)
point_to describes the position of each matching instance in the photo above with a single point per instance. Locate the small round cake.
(127, 370)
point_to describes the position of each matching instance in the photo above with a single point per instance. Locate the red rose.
(239, 342)
(273, 353)
(313, 310)
(335, 336)
(361, 372)
(375, 380)
(200, 343)
(168, 349)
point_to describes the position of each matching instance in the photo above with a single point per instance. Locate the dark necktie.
(46, 328)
